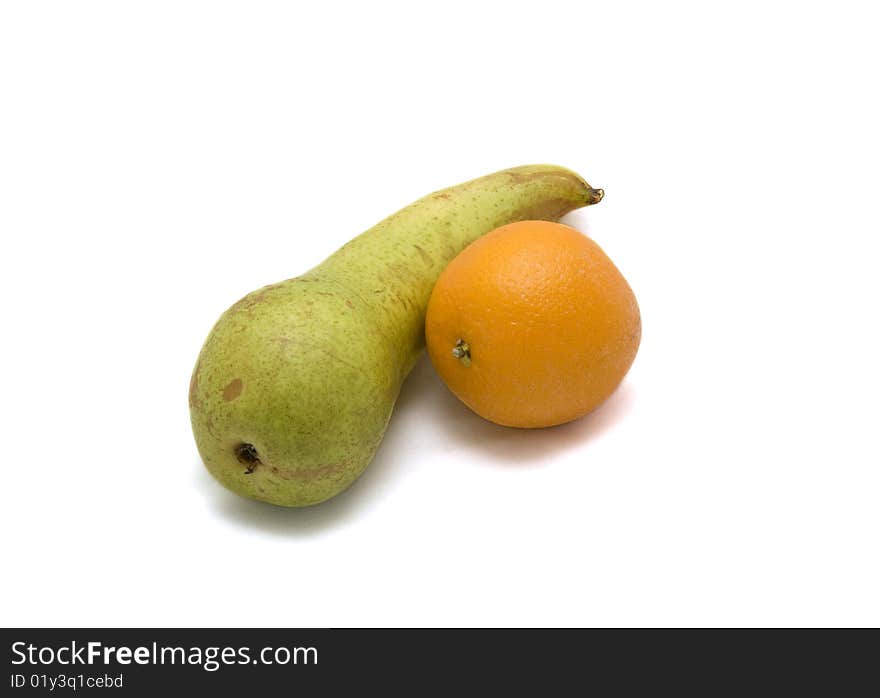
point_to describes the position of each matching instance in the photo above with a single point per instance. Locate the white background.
(160, 160)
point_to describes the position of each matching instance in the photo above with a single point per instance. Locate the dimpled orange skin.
(550, 325)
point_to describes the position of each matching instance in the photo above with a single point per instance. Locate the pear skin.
(296, 382)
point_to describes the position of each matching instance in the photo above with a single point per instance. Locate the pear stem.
(247, 455)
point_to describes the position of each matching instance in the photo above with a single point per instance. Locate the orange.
(532, 325)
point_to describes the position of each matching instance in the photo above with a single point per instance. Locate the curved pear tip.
(594, 196)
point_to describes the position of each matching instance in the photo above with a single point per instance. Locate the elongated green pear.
(296, 382)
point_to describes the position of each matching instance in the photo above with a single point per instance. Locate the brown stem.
(247, 455)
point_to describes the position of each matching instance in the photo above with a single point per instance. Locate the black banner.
(325, 662)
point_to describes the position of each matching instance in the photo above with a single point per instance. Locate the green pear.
(296, 382)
